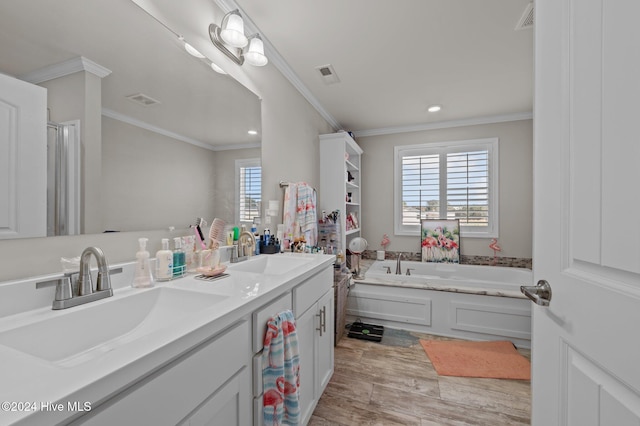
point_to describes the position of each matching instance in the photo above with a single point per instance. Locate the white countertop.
(33, 386)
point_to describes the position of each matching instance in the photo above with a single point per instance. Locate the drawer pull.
(323, 320)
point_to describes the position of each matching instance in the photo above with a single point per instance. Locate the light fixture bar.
(214, 35)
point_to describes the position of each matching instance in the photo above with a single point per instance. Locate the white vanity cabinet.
(210, 385)
(313, 308)
(312, 304)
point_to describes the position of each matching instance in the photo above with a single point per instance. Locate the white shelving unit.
(340, 182)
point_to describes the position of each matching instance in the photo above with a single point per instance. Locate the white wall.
(516, 186)
(151, 181)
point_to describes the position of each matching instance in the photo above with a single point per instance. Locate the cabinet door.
(325, 342)
(307, 324)
(227, 406)
(168, 396)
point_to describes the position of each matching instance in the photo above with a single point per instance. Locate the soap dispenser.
(164, 262)
(142, 277)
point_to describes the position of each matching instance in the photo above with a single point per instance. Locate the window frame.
(240, 164)
(490, 144)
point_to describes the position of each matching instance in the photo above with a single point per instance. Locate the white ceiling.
(395, 59)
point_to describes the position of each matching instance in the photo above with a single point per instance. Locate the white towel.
(300, 214)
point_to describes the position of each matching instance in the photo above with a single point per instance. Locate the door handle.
(540, 294)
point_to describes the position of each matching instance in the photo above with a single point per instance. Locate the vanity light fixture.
(252, 132)
(434, 108)
(229, 38)
(255, 55)
(232, 30)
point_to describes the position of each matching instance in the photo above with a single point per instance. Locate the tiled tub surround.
(465, 301)
(511, 262)
(216, 336)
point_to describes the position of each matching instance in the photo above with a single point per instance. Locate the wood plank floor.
(393, 383)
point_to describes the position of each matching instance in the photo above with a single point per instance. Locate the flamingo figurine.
(385, 241)
(496, 248)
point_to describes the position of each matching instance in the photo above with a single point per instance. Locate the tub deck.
(437, 306)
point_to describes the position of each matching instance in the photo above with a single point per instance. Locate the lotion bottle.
(142, 276)
(164, 262)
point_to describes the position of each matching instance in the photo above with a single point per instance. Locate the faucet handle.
(104, 280)
(63, 288)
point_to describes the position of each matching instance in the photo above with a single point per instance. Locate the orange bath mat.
(496, 359)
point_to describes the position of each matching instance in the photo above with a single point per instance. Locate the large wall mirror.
(159, 131)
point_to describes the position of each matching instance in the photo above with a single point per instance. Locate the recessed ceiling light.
(192, 51)
(434, 108)
(252, 132)
(217, 69)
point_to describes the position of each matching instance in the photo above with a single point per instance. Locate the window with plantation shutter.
(249, 189)
(448, 180)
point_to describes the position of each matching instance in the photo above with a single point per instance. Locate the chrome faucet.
(246, 244)
(65, 297)
(85, 286)
(398, 266)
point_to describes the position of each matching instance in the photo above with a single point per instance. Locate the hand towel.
(281, 371)
(307, 216)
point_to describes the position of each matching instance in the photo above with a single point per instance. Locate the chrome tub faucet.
(398, 264)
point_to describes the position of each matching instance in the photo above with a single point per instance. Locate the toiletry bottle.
(164, 262)
(254, 231)
(179, 264)
(142, 276)
(189, 253)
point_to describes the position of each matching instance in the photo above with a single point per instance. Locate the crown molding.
(278, 61)
(71, 66)
(445, 124)
(173, 135)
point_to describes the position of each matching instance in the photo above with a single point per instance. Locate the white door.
(23, 159)
(586, 343)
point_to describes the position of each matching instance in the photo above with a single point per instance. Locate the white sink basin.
(79, 334)
(270, 264)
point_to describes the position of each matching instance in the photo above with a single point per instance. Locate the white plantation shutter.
(249, 177)
(449, 180)
(468, 187)
(420, 188)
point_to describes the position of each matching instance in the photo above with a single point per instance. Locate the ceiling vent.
(142, 99)
(328, 74)
(526, 20)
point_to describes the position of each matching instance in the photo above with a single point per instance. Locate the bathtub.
(464, 301)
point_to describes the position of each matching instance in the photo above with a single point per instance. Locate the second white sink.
(270, 264)
(79, 334)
